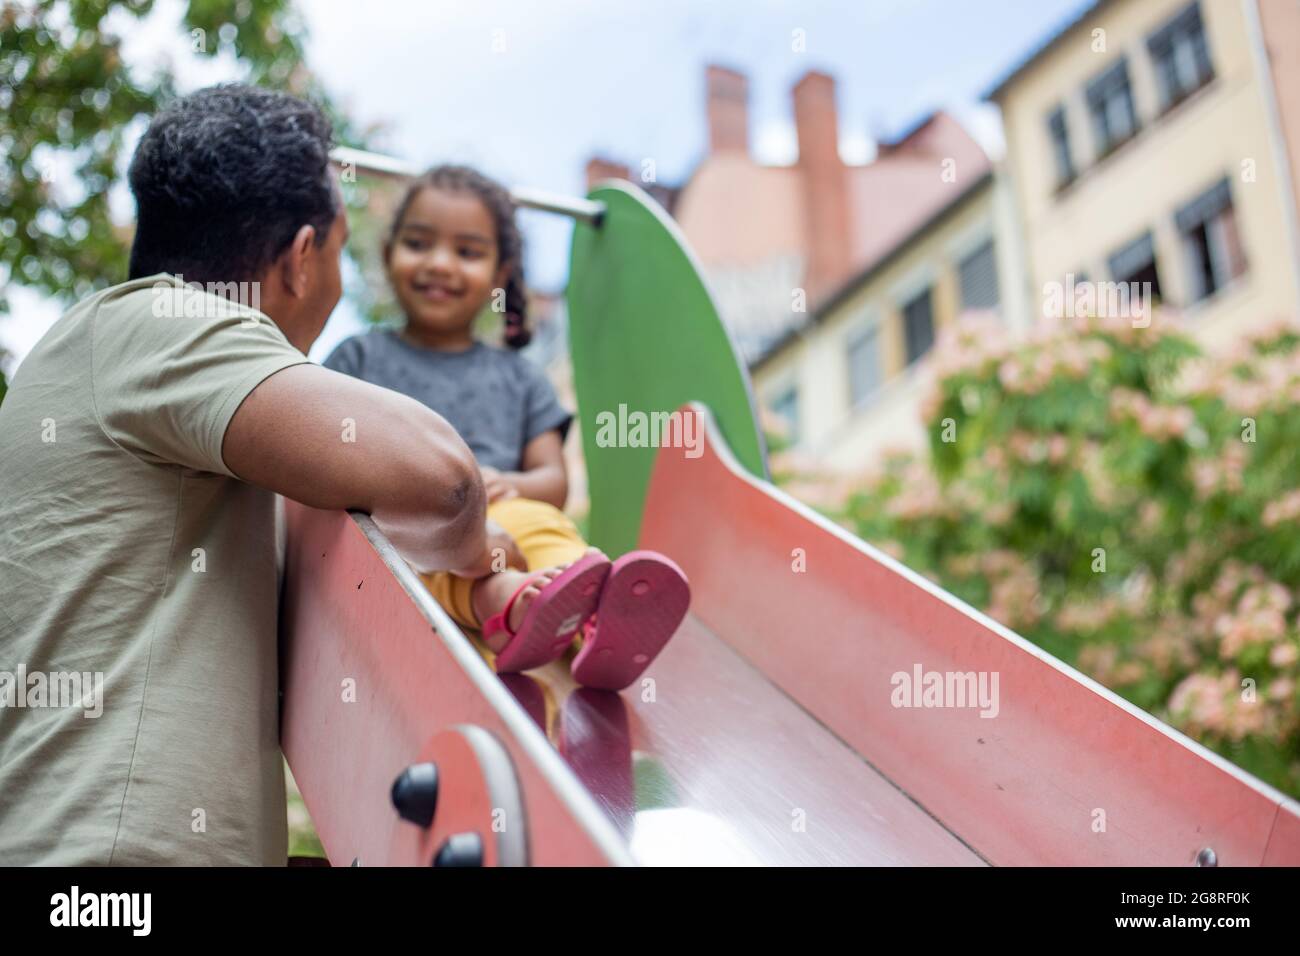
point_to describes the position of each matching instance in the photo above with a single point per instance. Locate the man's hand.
(497, 485)
(501, 552)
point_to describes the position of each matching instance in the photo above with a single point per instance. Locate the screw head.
(460, 849)
(415, 793)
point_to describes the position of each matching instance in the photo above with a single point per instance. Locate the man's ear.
(293, 262)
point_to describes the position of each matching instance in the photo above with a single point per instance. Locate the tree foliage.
(68, 100)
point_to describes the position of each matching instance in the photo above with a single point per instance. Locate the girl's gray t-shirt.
(495, 398)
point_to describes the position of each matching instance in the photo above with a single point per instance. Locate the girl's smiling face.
(444, 264)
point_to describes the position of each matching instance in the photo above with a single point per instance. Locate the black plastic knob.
(460, 849)
(415, 793)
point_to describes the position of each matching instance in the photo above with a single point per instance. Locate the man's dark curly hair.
(224, 178)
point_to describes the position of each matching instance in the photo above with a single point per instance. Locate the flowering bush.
(1127, 503)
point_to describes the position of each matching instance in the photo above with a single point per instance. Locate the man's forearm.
(331, 441)
(439, 542)
(432, 505)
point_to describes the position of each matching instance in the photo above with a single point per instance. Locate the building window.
(1136, 262)
(865, 375)
(1110, 102)
(918, 326)
(1211, 244)
(786, 407)
(979, 278)
(1181, 57)
(1060, 135)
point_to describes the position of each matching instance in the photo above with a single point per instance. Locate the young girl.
(453, 248)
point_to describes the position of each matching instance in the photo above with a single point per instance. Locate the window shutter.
(918, 326)
(1133, 258)
(864, 364)
(1204, 207)
(979, 278)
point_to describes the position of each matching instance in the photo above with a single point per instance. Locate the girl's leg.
(545, 535)
(455, 595)
(471, 601)
(546, 538)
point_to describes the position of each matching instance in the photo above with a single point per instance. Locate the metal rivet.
(1207, 857)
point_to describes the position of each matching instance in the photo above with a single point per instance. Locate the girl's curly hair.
(510, 243)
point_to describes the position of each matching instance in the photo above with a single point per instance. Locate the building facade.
(846, 385)
(775, 242)
(1156, 141)
(1148, 141)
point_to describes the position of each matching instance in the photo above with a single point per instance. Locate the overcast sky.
(529, 90)
(626, 79)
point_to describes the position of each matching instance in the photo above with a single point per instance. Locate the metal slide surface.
(729, 770)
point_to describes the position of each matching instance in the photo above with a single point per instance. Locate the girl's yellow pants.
(545, 535)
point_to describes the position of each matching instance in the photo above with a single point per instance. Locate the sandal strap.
(501, 620)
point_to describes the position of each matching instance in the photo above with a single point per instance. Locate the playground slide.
(768, 732)
(788, 721)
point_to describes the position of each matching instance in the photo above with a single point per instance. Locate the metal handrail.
(379, 164)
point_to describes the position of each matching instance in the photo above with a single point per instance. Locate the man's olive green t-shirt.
(129, 550)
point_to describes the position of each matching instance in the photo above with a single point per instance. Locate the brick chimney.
(728, 96)
(599, 169)
(825, 185)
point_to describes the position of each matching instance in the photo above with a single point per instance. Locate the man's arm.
(404, 465)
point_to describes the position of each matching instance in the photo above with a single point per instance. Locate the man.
(141, 446)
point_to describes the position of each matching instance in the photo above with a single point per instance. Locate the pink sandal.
(645, 598)
(554, 617)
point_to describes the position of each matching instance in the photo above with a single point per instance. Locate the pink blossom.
(1284, 655)
(1281, 689)
(1286, 508)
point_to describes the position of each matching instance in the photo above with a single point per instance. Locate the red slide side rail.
(372, 671)
(1065, 773)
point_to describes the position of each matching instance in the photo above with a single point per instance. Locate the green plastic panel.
(644, 334)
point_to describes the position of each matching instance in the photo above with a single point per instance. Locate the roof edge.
(995, 92)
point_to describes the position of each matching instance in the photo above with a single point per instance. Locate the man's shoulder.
(60, 342)
(162, 319)
(167, 298)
